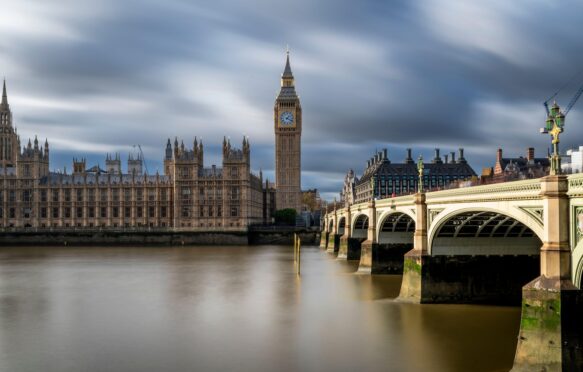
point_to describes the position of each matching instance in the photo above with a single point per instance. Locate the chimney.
(445, 157)
(409, 159)
(499, 155)
(385, 154)
(368, 163)
(461, 157)
(437, 159)
(453, 157)
(530, 154)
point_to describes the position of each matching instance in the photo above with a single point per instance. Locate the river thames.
(238, 308)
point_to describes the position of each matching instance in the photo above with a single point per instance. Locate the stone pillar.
(366, 248)
(324, 234)
(343, 249)
(551, 327)
(412, 285)
(333, 234)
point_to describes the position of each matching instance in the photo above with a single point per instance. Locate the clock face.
(286, 118)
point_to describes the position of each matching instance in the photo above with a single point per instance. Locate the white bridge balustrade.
(501, 243)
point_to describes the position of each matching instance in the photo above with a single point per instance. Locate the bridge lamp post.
(420, 170)
(554, 126)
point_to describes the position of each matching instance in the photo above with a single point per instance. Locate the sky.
(102, 76)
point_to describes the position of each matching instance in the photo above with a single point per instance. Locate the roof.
(410, 169)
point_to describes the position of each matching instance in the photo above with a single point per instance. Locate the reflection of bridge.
(482, 244)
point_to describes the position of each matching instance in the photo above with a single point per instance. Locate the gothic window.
(186, 212)
(103, 212)
(26, 195)
(210, 210)
(55, 212)
(55, 195)
(12, 213)
(139, 194)
(67, 212)
(140, 212)
(185, 191)
(79, 195)
(1, 212)
(43, 212)
(152, 194)
(115, 212)
(151, 212)
(201, 211)
(67, 195)
(127, 194)
(127, 212)
(219, 211)
(79, 212)
(91, 211)
(163, 212)
(234, 211)
(234, 172)
(43, 196)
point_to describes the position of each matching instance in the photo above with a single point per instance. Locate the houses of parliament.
(188, 196)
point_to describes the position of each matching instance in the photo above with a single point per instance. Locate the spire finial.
(287, 72)
(4, 95)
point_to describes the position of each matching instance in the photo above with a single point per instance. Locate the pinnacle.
(287, 72)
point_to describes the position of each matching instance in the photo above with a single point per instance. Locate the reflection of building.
(573, 161)
(508, 169)
(188, 196)
(383, 179)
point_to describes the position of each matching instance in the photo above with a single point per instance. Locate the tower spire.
(4, 95)
(287, 72)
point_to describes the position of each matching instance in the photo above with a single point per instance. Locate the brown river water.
(237, 308)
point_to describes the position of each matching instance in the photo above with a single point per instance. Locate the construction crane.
(573, 100)
(142, 156)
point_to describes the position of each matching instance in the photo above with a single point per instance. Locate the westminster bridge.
(508, 243)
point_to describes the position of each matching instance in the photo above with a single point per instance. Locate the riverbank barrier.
(254, 235)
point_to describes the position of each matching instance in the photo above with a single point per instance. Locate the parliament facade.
(187, 197)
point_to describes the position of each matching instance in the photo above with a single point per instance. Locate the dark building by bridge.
(393, 179)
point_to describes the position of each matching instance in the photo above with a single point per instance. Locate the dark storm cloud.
(98, 77)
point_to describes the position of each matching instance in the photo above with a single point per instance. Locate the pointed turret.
(287, 72)
(4, 96)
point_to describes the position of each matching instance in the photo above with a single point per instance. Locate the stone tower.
(287, 115)
(9, 140)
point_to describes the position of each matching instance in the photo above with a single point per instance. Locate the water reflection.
(229, 309)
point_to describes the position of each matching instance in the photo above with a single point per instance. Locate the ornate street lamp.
(554, 126)
(420, 171)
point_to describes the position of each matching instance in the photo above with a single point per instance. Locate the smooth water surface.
(229, 309)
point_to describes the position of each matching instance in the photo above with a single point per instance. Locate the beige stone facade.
(287, 117)
(187, 197)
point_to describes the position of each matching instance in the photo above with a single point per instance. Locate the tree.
(285, 216)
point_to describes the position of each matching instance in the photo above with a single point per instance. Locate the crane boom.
(574, 100)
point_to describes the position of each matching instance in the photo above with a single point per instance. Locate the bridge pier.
(334, 243)
(551, 326)
(389, 258)
(324, 239)
(367, 247)
(343, 247)
(413, 285)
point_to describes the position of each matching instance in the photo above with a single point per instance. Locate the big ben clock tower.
(287, 115)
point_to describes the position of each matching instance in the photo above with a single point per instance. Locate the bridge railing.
(575, 184)
(516, 190)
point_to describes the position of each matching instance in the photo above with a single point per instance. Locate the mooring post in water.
(299, 254)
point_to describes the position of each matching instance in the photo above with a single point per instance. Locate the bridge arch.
(577, 269)
(341, 225)
(395, 227)
(470, 219)
(482, 255)
(360, 226)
